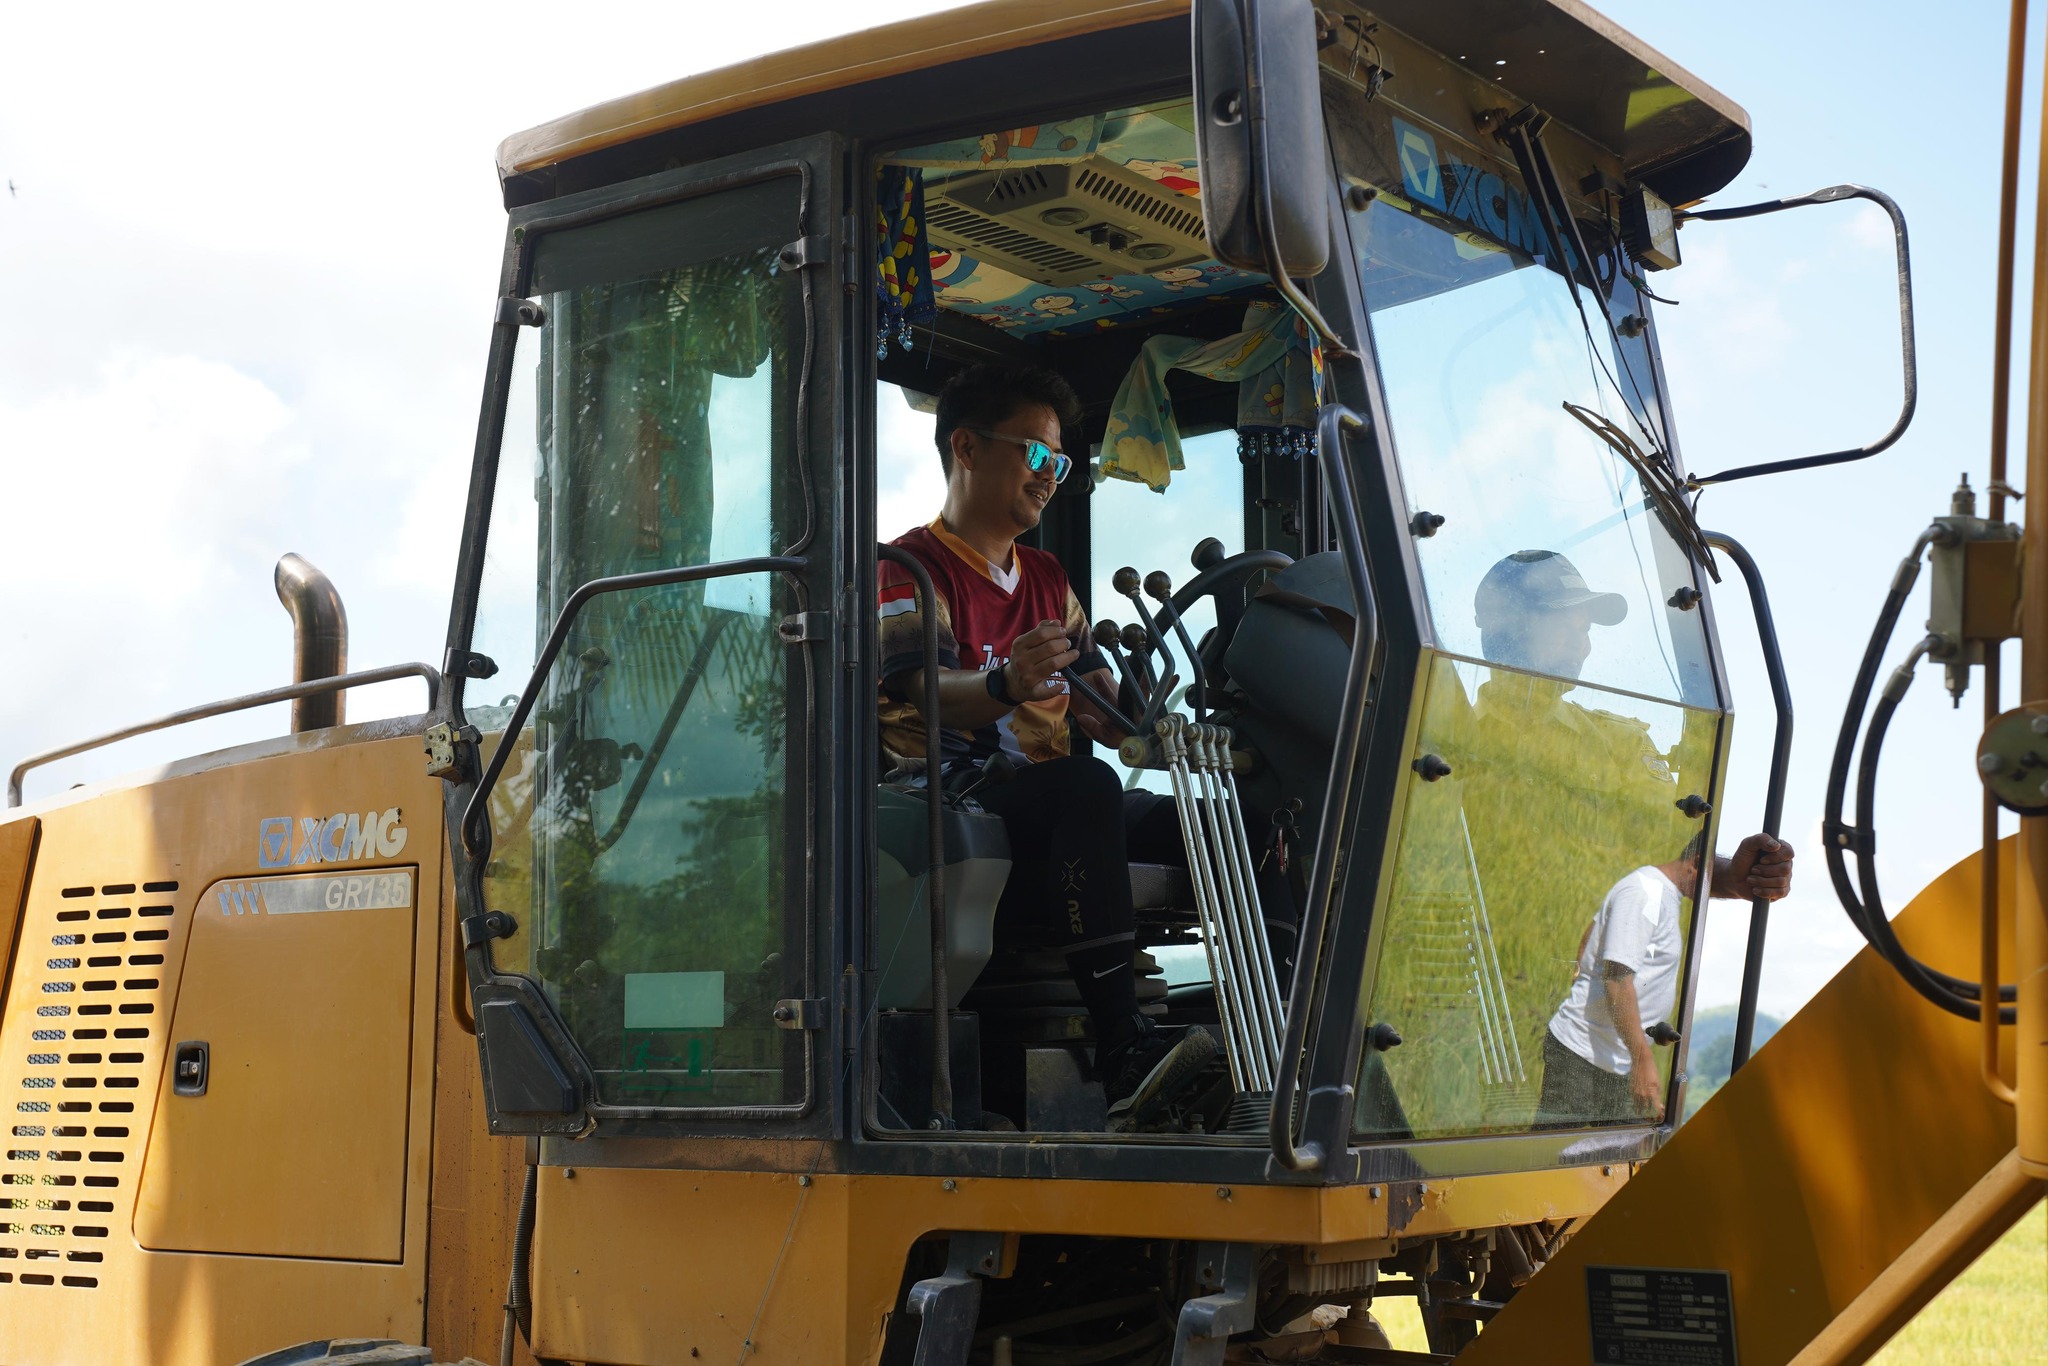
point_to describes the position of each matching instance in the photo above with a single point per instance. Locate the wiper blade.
(1660, 486)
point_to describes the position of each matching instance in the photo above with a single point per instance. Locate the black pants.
(1069, 815)
(1073, 816)
(1577, 1092)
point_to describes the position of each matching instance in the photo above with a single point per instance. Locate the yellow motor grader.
(627, 1005)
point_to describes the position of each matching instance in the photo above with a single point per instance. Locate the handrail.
(1908, 364)
(311, 688)
(1336, 420)
(1774, 794)
(473, 833)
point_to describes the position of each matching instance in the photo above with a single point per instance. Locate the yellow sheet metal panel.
(644, 1265)
(1817, 1166)
(17, 855)
(477, 1177)
(118, 876)
(912, 45)
(300, 989)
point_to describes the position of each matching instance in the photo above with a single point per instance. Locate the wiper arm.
(1660, 486)
(1523, 133)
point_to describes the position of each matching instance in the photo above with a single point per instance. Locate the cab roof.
(1666, 125)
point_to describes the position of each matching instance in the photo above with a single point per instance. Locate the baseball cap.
(1540, 580)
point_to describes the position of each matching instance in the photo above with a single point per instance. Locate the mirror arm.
(1831, 195)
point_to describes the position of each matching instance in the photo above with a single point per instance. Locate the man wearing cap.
(1535, 612)
(1547, 801)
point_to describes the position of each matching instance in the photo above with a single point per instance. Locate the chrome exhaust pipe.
(319, 639)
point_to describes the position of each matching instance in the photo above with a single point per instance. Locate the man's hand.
(1097, 727)
(1035, 658)
(1645, 1086)
(1759, 870)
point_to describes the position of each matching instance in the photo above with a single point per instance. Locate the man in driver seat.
(1008, 622)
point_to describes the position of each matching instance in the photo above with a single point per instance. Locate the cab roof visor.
(1670, 129)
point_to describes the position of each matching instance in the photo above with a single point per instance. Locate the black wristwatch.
(999, 686)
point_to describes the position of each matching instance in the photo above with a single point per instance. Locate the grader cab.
(655, 1014)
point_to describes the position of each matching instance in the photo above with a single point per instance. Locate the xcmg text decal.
(1478, 198)
(287, 841)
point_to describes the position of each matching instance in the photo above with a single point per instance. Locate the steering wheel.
(1218, 575)
(1222, 577)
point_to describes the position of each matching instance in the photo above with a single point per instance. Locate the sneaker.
(1143, 1074)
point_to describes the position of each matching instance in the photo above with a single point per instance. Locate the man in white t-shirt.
(1598, 1064)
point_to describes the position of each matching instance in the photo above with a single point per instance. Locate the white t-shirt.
(1637, 929)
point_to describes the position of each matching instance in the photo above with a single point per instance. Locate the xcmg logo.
(328, 839)
(1472, 195)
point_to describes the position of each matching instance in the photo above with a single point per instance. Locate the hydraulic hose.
(1860, 898)
(518, 1300)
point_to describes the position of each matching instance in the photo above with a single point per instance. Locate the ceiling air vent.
(1062, 225)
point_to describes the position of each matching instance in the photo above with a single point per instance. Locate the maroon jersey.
(979, 619)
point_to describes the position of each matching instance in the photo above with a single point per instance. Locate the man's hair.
(989, 394)
(1695, 848)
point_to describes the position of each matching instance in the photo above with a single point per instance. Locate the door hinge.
(444, 749)
(801, 1013)
(814, 250)
(521, 312)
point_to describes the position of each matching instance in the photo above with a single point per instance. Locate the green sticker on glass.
(675, 1000)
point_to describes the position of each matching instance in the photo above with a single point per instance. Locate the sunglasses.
(1036, 453)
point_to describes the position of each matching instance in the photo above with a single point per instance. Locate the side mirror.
(1259, 134)
(1835, 194)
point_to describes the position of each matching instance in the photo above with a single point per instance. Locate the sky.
(247, 262)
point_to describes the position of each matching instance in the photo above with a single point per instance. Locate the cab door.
(655, 586)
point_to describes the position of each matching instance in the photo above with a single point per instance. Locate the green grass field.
(1995, 1314)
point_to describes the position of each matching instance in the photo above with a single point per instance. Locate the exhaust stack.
(319, 639)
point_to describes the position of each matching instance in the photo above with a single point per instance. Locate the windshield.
(1485, 353)
(1534, 940)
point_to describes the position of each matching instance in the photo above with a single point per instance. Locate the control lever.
(1134, 641)
(995, 770)
(1160, 588)
(1109, 640)
(1125, 581)
(1154, 691)
(1662, 1034)
(1107, 707)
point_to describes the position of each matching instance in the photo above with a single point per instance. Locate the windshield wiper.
(1661, 487)
(1523, 133)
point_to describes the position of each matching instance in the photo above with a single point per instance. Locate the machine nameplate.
(311, 892)
(1655, 1316)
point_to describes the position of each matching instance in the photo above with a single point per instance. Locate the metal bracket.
(814, 250)
(481, 929)
(798, 627)
(1207, 1322)
(521, 312)
(950, 1303)
(443, 744)
(805, 1013)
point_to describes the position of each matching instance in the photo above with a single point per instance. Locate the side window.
(643, 832)
(909, 485)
